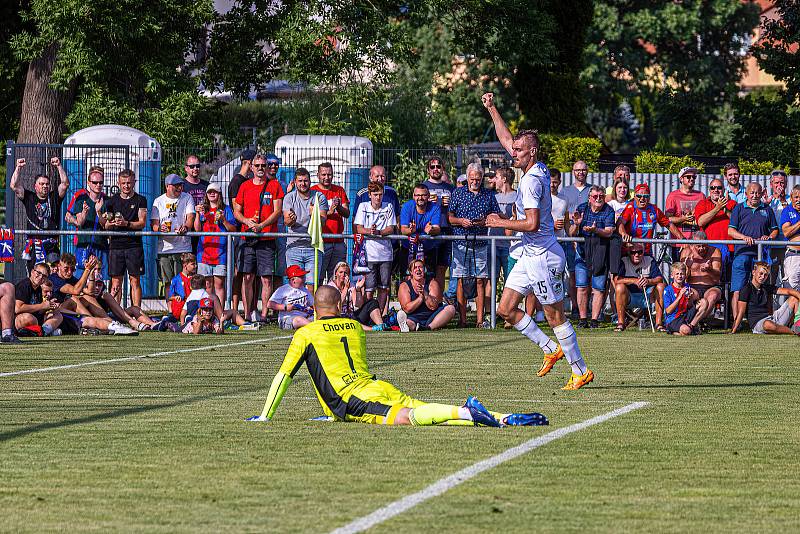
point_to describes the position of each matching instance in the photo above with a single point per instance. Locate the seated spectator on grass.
(790, 224)
(637, 274)
(593, 221)
(682, 304)
(377, 218)
(681, 203)
(199, 284)
(212, 251)
(7, 303)
(181, 285)
(65, 285)
(421, 302)
(355, 304)
(100, 303)
(713, 217)
(750, 221)
(469, 207)
(420, 217)
(704, 264)
(755, 299)
(32, 311)
(204, 321)
(297, 206)
(293, 301)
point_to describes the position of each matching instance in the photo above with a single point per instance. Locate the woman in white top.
(620, 199)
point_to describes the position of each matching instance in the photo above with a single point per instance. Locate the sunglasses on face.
(272, 164)
(259, 165)
(637, 252)
(434, 166)
(642, 197)
(193, 166)
(690, 176)
(96, 182)
(716, 188)
(597, 196)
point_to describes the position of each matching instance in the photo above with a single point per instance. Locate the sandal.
(620, 327)
(661, 328)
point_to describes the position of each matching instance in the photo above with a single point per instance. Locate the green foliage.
(769, 126)
(776, 51)
(656, 162)
(12, 72)
(562, 152)
(406, 174)
(758, 168)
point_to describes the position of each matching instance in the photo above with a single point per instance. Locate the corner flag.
(315, 231)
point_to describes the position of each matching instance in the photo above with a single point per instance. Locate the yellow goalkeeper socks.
(433, 414)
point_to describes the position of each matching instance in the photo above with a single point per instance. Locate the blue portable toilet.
(115, 148)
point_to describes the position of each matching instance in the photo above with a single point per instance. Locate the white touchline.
(140, 357)
(449, 482)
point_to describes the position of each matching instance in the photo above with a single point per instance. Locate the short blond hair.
(679, 266)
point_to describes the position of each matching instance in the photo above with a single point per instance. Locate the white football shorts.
(542, 275)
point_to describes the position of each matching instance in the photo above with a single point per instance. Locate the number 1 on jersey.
(347, 353)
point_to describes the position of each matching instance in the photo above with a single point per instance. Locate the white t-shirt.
(287, 294)
(617, 206)
(382, 218)
(559, 209)
(534, 192)
(173, 212)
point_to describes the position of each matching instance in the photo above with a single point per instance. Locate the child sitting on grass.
(683, 306)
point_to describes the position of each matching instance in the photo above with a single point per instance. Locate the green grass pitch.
(159, 444)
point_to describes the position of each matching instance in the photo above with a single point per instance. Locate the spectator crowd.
(608, 273)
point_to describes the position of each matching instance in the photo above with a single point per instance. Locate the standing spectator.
(377, 175)
(258, 204)
(86, 212)
(619, 198)
(638, 274)
(338, 211)
(734, 190)
(682, 304)
(440, 193)
(31, 308)
(293, 301)
(172, 213)
(713, 216)
(756, 300)
(419, 217)
(194, 186)
(790, 224)
(8, 301)
(593, 221)
(778, 200)
(245, 173)
(622, 173)
(212, 251)
(421, 306)
(681, 203)
(561, 216)
(297, 206)
(506, 197)
(43, 211)
(469, 207)
(704, 264)
(577, 193)
(750, 221)
(126, 253)
(377, 218)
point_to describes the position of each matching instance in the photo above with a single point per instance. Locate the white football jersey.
(534, 189)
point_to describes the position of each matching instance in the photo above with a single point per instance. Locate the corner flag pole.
(315, 231)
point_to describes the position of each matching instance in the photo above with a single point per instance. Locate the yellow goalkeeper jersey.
(335, 352)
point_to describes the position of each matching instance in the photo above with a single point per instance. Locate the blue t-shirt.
(752, 222)
(432, 215)
(789, 215)
(389, 195)
(441, 190)
(465, 204)
(670, 295)
(603, 219)
(778, 207)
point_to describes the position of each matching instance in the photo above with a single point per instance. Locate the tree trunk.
(44, 109)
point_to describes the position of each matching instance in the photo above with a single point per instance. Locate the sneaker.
(549, 361)
(119, 329)
(486, 325)
(583, 323)
(249, 327)
(56, 332)
(480, 415)
(254, 317)
(230, 327)
(10, 339)
(525, 419)
(594, 324)
(391, 318)
(87, 331)
(796, 328)
(578, 381)
(380, 327)
(402, 321)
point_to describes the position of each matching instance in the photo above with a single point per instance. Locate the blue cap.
(173, 179)
(272, 157)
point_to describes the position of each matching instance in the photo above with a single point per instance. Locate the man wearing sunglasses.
(713, 215)
(86, 212)
(194, 186)
(173, 213)
(681, 203)
(439, 193)
(637, 273)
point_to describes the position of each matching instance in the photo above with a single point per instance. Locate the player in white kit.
(540, 269)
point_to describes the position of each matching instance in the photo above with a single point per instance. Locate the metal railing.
(491, 239)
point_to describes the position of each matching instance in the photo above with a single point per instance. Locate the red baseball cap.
(206, 303)
(642, 189)
(295, 270)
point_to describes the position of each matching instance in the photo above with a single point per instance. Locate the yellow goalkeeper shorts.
(377, 403)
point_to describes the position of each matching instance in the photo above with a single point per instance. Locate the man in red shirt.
(335, 249)
(681, 203)
(257, 206)
(713, 215)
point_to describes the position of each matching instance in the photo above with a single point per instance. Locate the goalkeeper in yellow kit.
(334, 350)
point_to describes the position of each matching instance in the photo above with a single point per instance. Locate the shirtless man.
(705, 270)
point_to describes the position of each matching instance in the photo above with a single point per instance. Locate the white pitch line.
(441, 486)
(140, 357)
